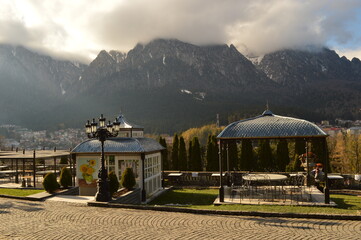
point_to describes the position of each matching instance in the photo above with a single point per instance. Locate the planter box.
(130, 197)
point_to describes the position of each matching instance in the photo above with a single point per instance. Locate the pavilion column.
(228, 172)
(326, 189)
(221, 189)
(23, 183)
(54, 166)
(144, 194)
(17, 172)
(308, 176)
(34, 169)
(162, 164)
(73, 171)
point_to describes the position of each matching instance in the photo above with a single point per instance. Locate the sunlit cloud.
(80, 29)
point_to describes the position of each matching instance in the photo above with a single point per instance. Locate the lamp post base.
(221, 194)
(103, 194)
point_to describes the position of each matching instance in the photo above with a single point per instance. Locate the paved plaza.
(64, 220)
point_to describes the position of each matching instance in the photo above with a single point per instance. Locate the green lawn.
(203, 199)
(19, 192)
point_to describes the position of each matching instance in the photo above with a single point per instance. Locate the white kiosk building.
(129, 149)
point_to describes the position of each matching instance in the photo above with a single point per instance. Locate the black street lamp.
(102, 133)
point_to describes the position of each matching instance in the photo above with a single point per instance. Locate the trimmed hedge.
(65, 177)
(128, 179)
(113, 183)
(50, 184)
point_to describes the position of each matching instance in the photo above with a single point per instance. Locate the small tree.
(265, 158)
(196, 161)
(128, 179)
(189, 162)
(300, 147)
(247, 158)
(175, 162)
(233, 155)
(65, 177)
(164, 153)
(63, 160)
(182, 155)
(113, 183)
(50, 184)
(282, 159)
(212, 154)
(295, 165)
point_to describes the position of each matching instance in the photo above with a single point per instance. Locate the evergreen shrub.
(63, 160)
(113, 183)
(50, 184)
(128, 179)
(65, 177)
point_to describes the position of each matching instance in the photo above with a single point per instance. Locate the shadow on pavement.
(295, 223)
(24, 206)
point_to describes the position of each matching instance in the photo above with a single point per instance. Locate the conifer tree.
(196, 161)
(300, 147)
(49, 183)
(233, 155)
(65, 177)
(164, 153)
(113, 183)
(182, 155)
(265, 158)
(128, 179)
(282, 158)
(212, 154)
(318, 146)
(189, 163)
(295, 165)
(175, 152)
(247, 157)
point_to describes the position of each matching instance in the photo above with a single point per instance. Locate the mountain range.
(168, 85)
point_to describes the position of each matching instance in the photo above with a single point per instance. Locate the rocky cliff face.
(296, 68)
(20, 65)
(171, 63)
(32, 85)
(170, 85)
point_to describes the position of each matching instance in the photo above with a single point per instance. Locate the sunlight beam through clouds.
(80, 29)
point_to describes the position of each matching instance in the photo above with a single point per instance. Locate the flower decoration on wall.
(87, 171)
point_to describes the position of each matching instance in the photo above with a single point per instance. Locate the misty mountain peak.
(176, 64)
(103, 59)
(295, 67)
(117, 56)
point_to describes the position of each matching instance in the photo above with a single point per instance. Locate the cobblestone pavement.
(63, 220)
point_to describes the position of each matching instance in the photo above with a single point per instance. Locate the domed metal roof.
(119, 145)
(269, 125)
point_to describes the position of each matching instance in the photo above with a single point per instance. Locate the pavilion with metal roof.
(122, 152)
(120, 145)
(18, 163)
(271, 126)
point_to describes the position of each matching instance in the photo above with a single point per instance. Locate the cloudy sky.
(80, 29)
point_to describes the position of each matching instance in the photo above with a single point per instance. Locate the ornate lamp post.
(102, 133)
